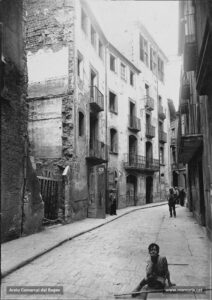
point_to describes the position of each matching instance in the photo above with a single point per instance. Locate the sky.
(161, 20)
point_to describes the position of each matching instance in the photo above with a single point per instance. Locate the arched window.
(113, 141)
(81, 124)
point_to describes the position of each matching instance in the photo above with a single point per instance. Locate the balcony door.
(149, 154)
(93, 134)
(131, 190)
(132, 149)
(93, 82)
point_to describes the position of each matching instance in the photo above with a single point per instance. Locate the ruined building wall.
(51, 94)
(21, 204)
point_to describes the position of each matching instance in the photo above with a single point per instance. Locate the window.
(81, 124)
(112, 63)
(101, 50)
(113, 141)
(160, 69)
(144, 50)
(123, 71)
(83, 21)
(113, 103)
(132, 78)
(153, 60)
(161, 155)
(80, 66)
(93, 37)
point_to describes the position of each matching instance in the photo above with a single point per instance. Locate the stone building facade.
(21, 203)
(97, 115)
(195, 127)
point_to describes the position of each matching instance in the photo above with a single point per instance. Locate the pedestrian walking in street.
(157, 271)
(112, 204)
(171, 202)
(182, 197)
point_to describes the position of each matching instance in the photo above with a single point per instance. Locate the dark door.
(149, 189)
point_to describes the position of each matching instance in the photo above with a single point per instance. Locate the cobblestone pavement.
(112, 258)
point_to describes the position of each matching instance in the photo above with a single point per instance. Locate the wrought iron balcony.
(173, 142)
(184, 106)
(140, 163)
(96, 100)
(190, 137)
(149, 103)
(161, 113)
(162, 136)
(150, 131)
(134, 123)
(98, 152)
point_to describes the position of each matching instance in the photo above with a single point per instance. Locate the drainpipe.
(106, 122)
(158, 134)
(25, 179)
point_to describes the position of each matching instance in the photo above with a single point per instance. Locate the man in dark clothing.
(112, 204)
(182, 197)
(171, 202)
(157, 271)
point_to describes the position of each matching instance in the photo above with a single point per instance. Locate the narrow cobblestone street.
(112, 258)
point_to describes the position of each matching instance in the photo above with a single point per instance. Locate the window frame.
(123, 75)
(115, 110)
(113, 141)
(93, 36)
(84, 21)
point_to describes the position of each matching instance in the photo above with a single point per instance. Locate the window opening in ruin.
(80, 66)
(81, 124)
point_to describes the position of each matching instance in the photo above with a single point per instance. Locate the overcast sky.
(161, 20)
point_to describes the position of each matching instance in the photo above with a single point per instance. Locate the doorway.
(131, 190)
(149, 189)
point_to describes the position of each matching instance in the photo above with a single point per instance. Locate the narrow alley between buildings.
(112, 258)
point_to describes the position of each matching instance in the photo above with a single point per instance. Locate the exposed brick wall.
(13, 121)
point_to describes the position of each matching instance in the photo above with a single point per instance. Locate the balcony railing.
(149, 102)
(134, 123)
(98, 152)
(150, 131)
(162, 136)
(140, 163)
(173, 142)
(96, 99)
(161, 112)
(190, 137)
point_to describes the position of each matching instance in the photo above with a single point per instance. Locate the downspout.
(158, 133)
(106, 125)
(24, 183)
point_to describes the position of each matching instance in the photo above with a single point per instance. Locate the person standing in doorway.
(113, 204)
(182, 197)
(171, 202)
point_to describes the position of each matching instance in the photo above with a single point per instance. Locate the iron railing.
(150, 131)
(98, 150)
(134, 123)
(96, 99)
(149, 102)
(162, 136)
(138, 162)
(161, 112)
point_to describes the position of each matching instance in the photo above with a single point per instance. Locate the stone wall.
(16, 172)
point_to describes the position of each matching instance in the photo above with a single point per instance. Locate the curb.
(25, 262)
